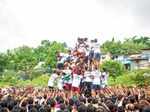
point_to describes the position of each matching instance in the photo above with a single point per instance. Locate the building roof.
(137, 57)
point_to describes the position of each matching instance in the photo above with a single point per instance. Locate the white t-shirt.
(82, 49)
(76, 80)
(87, 75)
(63, 57)
(52, 80)
(96, 75)
(67, 77)
(63, 54)
(97, 48)
(60, 83)
(75, 58)
(91, 46)
(104, 78)
(87, 51)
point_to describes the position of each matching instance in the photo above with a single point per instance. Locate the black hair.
(90, 99)
(59, 99)
(77, 103)
(120, 109)
(30, 100)
(47, 108)
(95, 101)
(71, 102)
(82, 108)
(85, 39)
(45, 96)
(44, 108)
(95, 40)
(37, 106)
(112, 107)
(82, 99)
(91, 108)
(33, 109)
(67, 110)
(62, 106)
(3, 103)
(4, 110)
(51, 102)
(132, 99)
(146, 109)
(17, 109)
(10, 104)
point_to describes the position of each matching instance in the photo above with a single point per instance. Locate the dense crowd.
(76, 85)
(78, 69)
(110, 99)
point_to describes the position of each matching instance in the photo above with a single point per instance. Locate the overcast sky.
(30, 21)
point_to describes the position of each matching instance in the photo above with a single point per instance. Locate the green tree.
(113, 47)
(114, 68)
(47, 52)
(22, 58)
(3, 62)
(141, 77)
(51, 56)
(128, 46)
(42, 50)
(143, 40)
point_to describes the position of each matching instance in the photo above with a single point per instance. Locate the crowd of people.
(78, 69)
(110, 99)
(76, 85)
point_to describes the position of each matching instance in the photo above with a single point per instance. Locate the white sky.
(30, 21)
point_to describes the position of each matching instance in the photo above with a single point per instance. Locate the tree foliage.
(143, 41)
(3, 62)
(128, 46)
(47, 52)
(112, 47)
(21, 58)
(141, 77)
(25, 58)
(114, 68)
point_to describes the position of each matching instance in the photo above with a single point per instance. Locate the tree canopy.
(128, 46)
(25, 58)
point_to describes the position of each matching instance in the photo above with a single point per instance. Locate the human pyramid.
(78, 69)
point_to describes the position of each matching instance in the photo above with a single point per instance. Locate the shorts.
(91, 55)
(81, 84)
(50, 83)
(60, 86)
(67, 86)
(86, 59)
(96, 87)
(88, 85)
(75, 89)
(97, 56)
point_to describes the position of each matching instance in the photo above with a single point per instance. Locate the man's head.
(91, 108)
(82, 108)
(4, 110)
